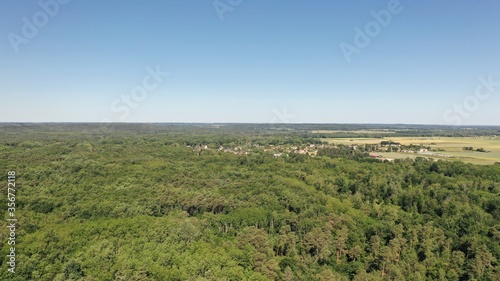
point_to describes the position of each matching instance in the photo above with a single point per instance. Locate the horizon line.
(244, 123)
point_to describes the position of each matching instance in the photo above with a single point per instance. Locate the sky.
(251, 61)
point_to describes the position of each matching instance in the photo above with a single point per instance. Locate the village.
(372, 150)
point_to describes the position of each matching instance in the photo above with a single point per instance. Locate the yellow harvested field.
(353, 132)
(452, 146)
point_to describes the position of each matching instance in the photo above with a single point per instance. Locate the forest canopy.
(231, 202)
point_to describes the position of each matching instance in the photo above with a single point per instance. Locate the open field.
(379, 131)
(452, 146)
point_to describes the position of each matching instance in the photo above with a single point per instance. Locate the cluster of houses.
(312, 149)
(276, 150)
(235, 150)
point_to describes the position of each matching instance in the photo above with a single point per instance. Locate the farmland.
(450, 148)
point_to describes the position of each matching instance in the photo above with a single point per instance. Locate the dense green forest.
(142, 202)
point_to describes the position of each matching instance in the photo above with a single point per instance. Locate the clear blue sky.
(264, 61)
